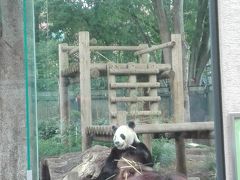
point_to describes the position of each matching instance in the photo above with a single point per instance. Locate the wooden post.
(133, 92)
(147, 138)
(85, 87)
(121, 118)
(63, 93)
(111, 94)
(178, 100)
(153, 91)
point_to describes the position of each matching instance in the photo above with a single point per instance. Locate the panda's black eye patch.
(122, 136)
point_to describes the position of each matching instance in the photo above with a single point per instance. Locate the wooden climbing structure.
(142, 86)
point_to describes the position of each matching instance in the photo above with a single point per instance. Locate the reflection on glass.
(62, 99)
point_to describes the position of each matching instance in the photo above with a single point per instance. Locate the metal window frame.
(217, 95)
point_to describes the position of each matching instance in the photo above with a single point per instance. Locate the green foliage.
(110, 22)
(47, 65)
(190, 16)
(163, 152)
(48, 129)
(54, 146)
(210, 161)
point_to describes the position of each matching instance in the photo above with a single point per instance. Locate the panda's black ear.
(131, 124)
(114, 128)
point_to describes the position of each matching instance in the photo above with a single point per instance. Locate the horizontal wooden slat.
(159, 128)
(155, 47)
(135, 71)
(115, 48)
(74, 49)
(134, 85)
(145, 113)
(175, 127)
(101, 130)
(208, 134)
(139, 113)
(140, 50)
(135, 99)
(73, 70)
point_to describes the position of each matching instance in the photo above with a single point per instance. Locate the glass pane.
(237, 137)
(77, 87)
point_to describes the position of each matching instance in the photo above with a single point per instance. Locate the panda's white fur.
(126, 144)
(124, 137)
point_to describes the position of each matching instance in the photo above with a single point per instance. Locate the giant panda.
(126, 144)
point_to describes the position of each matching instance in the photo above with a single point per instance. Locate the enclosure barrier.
(150, 73)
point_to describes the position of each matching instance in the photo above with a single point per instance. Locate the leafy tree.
(125, 22)
(47, 65)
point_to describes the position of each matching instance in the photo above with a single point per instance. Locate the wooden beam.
(112, 107)
(74, 49)
(136, 71)
(161, 128)
(135, 99)
(145, 113)
(135, 85)
(139, 113)
(85, 86)
(121, 118)
(102, 67)
(154, 48)
(175, 127)
(177, 89)
(63, 93)
(140, 50)
(132, 92)
(178, 99)
(147, 138)
(186, 135)
(115, 48)
(153, 91)
(68, 48)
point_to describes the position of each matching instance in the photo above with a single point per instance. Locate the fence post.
(147, 138)
(178, 100)
(63, 93)
(85, 86)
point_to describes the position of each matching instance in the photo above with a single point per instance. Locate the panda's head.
(124, 136)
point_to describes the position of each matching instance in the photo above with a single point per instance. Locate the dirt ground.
(200, 161)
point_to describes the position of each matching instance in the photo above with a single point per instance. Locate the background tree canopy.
(124, 23)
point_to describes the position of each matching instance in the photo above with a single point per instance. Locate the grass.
(163, 152)
(54, 147)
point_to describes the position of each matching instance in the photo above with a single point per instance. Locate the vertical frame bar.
(218, 120)
(234, 137)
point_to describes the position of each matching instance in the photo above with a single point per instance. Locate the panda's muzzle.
(116, 143)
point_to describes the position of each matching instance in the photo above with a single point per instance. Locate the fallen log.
(73, 166)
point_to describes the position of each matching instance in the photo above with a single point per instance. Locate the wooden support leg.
(147, 140)
(180, 155)
(88, 140)
(85, 87)
(63, 94)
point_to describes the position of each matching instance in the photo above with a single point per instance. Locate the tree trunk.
(163, 28)
(199, 47)
(12, 93)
